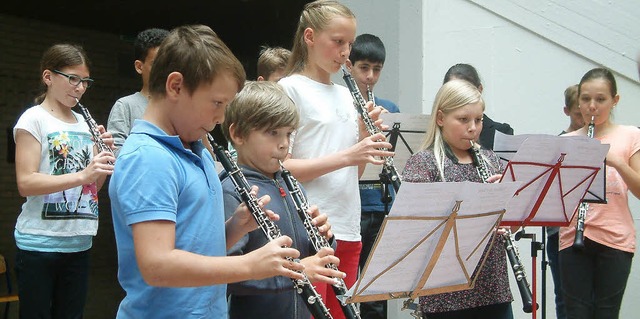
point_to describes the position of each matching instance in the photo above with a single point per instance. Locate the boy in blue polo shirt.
(166, 198)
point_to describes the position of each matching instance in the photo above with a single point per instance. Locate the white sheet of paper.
(404, 247)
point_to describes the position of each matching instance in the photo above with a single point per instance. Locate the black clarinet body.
(518, 271)
(317, 240)
(304, 288)
(389, 174)
(578, 240)
(512, 252)
(93, 129)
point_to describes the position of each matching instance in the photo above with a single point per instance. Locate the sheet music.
(507, 145)
(548, 200)
(415, 227)
(411, 128)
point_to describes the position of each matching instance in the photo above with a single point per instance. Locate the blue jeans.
(594, 280)
(52, 285)
(370, 223)
(552, 253)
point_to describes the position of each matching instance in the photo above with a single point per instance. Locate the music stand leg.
(535, 247)
(543, 268)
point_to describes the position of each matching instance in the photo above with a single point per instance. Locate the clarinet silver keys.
(389, 173)
(578, 241)
(317, 240)
(93, 129)
(304, 288)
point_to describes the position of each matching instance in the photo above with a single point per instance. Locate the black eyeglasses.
(76, 80)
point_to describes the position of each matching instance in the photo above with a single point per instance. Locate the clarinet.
(317, 240)
(512, 251)
(370, 95)
(93, 129)
(518, 271)
(389, 172)
(578, 241)
(303, 287)
(478, 162)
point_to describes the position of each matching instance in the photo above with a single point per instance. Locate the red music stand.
(556, 173)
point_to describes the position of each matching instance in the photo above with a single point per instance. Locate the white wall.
(527, 53)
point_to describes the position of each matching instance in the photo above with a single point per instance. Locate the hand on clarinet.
(242, 217)
(374, 113)
(368, 150)
(98, 166)
(494, 178)
(316, 270)
(107, 137)
(276, 258)
(321, 221)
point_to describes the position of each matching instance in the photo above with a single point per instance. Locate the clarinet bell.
(528, 307)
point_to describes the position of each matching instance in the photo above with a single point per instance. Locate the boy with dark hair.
(166, 199)
(258, 123)
(131, 107)
(365, 63)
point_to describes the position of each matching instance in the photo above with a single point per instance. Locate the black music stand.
(410, 129)
(433, 240)
(557, 173)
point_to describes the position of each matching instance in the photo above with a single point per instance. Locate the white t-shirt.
(65, 148)
(328, 124)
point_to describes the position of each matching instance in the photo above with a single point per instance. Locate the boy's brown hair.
(260, 105)
(571, 97)
(272, 59)
(198, 54)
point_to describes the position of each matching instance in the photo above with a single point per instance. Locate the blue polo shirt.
(156, 178)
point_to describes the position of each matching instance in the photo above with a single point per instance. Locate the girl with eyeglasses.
(60, 172)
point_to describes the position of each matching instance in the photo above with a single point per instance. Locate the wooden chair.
(8, 296)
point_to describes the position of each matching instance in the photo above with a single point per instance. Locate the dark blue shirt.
(371, 193)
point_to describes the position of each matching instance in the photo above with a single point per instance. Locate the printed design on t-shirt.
(342, 115)
(70, 152)
(614, 183)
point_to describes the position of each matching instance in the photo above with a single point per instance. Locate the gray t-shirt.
(126, 110)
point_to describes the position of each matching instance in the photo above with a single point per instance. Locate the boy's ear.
(260, 78)
(236, 139)
(566, 111)
(173, 85)
(137, 64)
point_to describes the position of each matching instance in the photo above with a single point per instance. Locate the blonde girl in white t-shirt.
(330, 149)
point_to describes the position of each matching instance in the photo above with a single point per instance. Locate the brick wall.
(22, 42)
